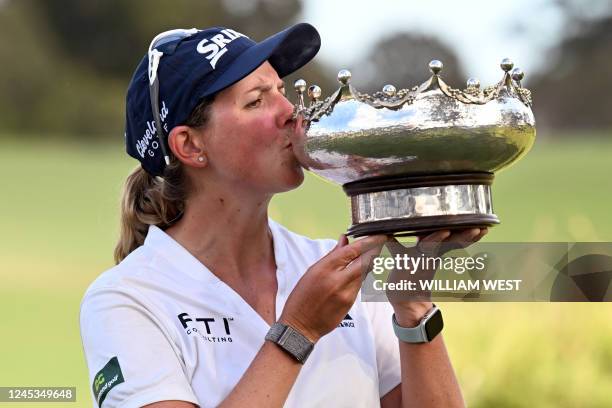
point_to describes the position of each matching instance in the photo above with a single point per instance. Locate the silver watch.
(290, 340)
(430, 325)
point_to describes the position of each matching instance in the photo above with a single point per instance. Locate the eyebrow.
(264, 88)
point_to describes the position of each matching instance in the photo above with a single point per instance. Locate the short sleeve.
(387, 346)
(130, 355)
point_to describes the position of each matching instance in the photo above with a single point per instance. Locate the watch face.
(434, 325)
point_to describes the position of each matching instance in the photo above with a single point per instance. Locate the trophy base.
(413, 205)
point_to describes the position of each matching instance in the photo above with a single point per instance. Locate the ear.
(187, 145)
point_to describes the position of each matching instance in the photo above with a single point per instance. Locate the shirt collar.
(176, 255)
(179, 257)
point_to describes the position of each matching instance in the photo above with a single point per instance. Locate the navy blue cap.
(198, 66)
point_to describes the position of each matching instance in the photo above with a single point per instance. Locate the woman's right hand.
(328, 289)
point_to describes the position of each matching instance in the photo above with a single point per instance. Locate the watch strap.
(417, 334)
(290, 340)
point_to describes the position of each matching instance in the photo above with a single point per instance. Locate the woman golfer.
(211, 302)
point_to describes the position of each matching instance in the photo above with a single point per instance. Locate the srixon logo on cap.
(214, 47)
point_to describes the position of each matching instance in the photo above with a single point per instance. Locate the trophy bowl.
(420, 159)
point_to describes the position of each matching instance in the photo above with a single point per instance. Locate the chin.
(293, 180)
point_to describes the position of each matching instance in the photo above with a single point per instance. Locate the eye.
(254, 104)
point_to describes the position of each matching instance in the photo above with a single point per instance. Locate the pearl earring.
(200, 159)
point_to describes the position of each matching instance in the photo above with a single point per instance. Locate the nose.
(285, 109)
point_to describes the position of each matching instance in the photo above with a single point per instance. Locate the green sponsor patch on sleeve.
(107, 378)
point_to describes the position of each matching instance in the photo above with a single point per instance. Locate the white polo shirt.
(161, 326)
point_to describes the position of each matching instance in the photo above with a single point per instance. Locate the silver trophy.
(420, 159)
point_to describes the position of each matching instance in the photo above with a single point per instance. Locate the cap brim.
(287, 51)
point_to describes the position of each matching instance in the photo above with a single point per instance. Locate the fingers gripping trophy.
(416, 160)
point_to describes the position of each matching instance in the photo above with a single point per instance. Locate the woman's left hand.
(408, 313)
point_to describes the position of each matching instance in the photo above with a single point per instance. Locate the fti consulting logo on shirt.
(107, 378)
(211, 329)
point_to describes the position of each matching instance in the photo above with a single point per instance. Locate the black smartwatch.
(428, 328)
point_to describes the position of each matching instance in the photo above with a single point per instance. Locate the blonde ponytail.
(149, 200)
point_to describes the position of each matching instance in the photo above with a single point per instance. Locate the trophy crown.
(431, 127)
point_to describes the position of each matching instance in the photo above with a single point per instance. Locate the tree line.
(66, 64)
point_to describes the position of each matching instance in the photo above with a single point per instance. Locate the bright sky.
(481, 32)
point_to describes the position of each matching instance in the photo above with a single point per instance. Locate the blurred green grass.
(59, 212)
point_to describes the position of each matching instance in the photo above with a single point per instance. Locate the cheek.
(260, 131)
(254, 139)
(244, 146)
